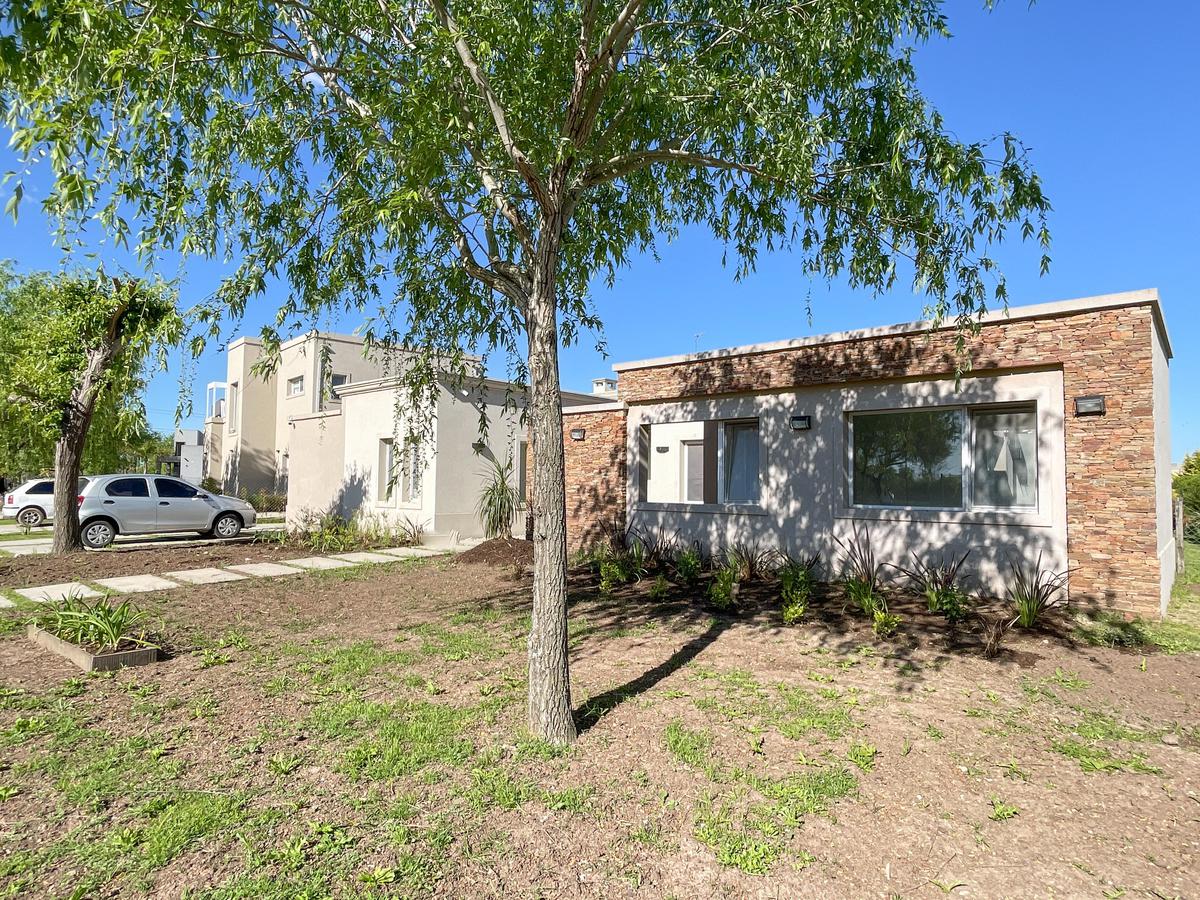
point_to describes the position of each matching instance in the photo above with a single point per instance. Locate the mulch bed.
(500, 553)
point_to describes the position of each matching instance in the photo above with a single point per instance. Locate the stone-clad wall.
(1110, 460)
(595, 473)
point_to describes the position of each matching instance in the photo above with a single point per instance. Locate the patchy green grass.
(1096, 758)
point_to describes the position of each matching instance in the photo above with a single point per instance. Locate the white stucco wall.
(803, 499)
(316, 467)
(665, 484)
(1162, 467)
(248, 442)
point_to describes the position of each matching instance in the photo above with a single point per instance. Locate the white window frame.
(234, 398)
(292, 383)
(684, 446)
(385, 488)
(966, 414)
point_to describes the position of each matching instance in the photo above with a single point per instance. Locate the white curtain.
(741, 462)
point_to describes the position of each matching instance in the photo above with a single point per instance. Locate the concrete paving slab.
(320, 563)
(25, 548)
(136, 584)
(53, 593)
(364, 556)
(204, 576)
(411, 552)
(264, 570)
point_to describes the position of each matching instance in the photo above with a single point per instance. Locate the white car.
(147, 504)
(33, 502)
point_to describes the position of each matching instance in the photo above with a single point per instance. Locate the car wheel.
(98, 534)
(30, 517)
(227, 525)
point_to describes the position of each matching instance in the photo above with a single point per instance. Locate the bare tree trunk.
(550, 716)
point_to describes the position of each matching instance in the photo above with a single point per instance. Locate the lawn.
(361, 735)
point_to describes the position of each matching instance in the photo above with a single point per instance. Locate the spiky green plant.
(937, 581)
(498, 501)
(1034, 590)
(688, 565)
(751, 561)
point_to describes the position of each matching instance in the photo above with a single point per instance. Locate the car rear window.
(127, 487)
(41, 487)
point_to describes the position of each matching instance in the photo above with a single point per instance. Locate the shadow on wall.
(248, 472)
(597, 476)
(803, 476)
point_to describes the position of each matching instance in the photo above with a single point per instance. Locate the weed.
(733, 846)
(1001, 811)
(884, 623)
(1012, 770)
(1094, 758)
(689, 746)
(573, 800)
(284, 763)
(494, 787)
(210, 658)
(862, 755)
(660, 588)
(8, 791)
(934, 733)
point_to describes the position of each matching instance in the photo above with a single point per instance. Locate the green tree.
(471, 171)
(69, 343)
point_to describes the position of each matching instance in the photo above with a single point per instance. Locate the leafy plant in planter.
(98, 626)
(938, 583)
(1034, 590)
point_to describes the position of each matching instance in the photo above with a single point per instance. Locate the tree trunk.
(550, 716)
(68, 465)
(68, 452)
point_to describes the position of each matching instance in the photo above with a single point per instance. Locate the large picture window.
(908, 458)
(945, 458)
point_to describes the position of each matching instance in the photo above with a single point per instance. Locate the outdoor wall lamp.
(1089, 406)
(800, 423)
(578, 434)
(662, 449)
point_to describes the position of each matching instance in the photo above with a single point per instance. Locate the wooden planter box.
(92, 662)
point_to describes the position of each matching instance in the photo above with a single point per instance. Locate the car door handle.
(109, 502)
(164, 503)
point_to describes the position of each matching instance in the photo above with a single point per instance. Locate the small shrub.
(864, 595)
(938, 583)
(862, 755)
(498, 501)
(1033, 591)
(994, 632)
(795, 586)
(688, 565)
(884, 623)
(750, 561)
(860, 569)
(657, 550)
(660, 588)
(721, 589)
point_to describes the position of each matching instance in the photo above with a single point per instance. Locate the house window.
(741, 462)
(338, 381)
(295, 386)
(692, 480)
(908, 458)
(332, 383)
(235, 397)
(387, 470)
(931, 459)
(414, 468)
(523, 471)
(1004, 458)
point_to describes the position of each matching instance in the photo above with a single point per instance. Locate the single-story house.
(1053, 445)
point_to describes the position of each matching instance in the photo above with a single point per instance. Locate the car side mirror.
(202, 496)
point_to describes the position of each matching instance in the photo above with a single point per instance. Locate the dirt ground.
(360, 733)
(32, 571)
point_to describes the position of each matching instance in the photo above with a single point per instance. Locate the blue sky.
(1103, 91)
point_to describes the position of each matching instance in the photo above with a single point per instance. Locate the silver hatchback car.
(148, 504)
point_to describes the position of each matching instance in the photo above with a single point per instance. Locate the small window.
(174, 490)
(908, 458)
(414, 468)
(295, 386)
(741, 462)
(692, 481)
(387, 470)
(41, 487)
(234, 398)
(523, 472)
(338, 381)
(1004, 458)
(128, 487)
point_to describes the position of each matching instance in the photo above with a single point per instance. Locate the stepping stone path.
(320, 563)
(204, 576)
(55, 593)
(264, 569)
(137, 584)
